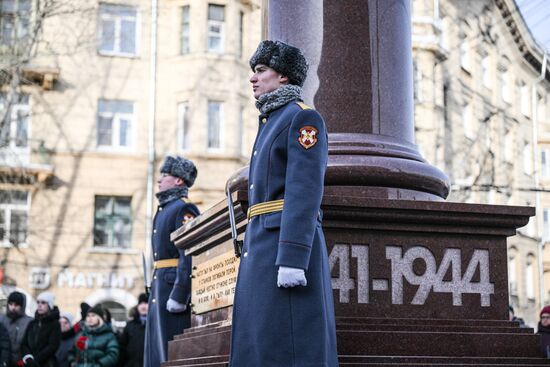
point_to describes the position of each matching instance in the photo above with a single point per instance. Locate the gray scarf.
(279, 97)
(172, 194)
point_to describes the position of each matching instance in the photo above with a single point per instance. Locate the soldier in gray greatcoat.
(169, 311)
(283, 313)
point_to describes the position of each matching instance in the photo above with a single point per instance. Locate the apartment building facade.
(481, 96)
(106, 91)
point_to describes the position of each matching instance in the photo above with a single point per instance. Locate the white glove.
(175, 306)
(290, 277)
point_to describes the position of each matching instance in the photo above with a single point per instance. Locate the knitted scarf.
(279, 97)
(172, 194)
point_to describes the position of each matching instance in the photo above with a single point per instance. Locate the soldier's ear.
(180, 181)
(283, 79)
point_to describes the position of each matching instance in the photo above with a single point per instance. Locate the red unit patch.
(308, 136)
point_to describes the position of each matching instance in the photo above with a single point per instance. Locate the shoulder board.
(185, 200)
(303, 106)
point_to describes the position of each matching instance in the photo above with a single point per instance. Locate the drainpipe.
(534, 115)
(151, 135)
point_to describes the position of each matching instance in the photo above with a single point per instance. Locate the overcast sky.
(537, 16)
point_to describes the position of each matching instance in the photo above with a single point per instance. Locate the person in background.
(84, 307)
(5, 347)
(95, 344)
(16, 322)
(513, 317)
(67, 339)
(544, 331)
(43, 335)
(133, 337)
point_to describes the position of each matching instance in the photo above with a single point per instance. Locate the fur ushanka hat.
(283, 58)
(180, 167)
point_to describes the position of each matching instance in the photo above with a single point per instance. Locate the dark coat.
(17, 325)
(101, 348)
(544, 332)
(67, 343)
(272, 326)
(167, 283)
(132, 343)
(5, 347)
(42, 338)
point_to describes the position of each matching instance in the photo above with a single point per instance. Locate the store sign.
(39, 278)
(81, 279)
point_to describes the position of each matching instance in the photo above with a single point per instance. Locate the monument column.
(360, 80)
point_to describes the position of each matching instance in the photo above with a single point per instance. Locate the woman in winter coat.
(43, 334)
(544, 331)
(96, 344)
(67, 339)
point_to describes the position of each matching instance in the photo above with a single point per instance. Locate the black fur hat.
(180, 167)
(283, 58)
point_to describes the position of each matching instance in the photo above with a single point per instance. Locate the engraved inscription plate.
(214, 282)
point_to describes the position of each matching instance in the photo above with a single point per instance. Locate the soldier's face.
(167, 181)
(265, 80)
(545, 319)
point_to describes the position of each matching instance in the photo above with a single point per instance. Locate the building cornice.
(526, 44)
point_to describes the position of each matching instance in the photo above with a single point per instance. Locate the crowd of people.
(51, 339)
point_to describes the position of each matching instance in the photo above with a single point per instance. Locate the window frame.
(115, 127)
(220, 128)
(8, 208)
(15, 18)
(184, 127)
(110, 235)
(118, 31)
(17, 154)
(210, 34)
(185, 36)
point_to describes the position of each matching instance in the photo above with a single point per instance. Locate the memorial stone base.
(415, 283)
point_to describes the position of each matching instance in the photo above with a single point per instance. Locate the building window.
(524, 98)
(505, 85)
(544, 164)
(527, 161)
(486, 72)
(242, 151)
(215, 116)
(417, 82)
(465, 54)
(16, 117)
(241, 34)
(512, 274)
(115, 124)
(185, 30)
(14, 216)
(117, 30)
(216, 28)
(112, 221)
(15, 21)
(546, 224)
(183, 126)
(509, 146)
(530, 277)
(468, 123)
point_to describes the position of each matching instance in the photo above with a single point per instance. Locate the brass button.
(154, 231)
(154, 300)
(160, 209)
(264, 120)
(255, 152)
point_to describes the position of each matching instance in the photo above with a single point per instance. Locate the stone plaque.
(214, 282)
